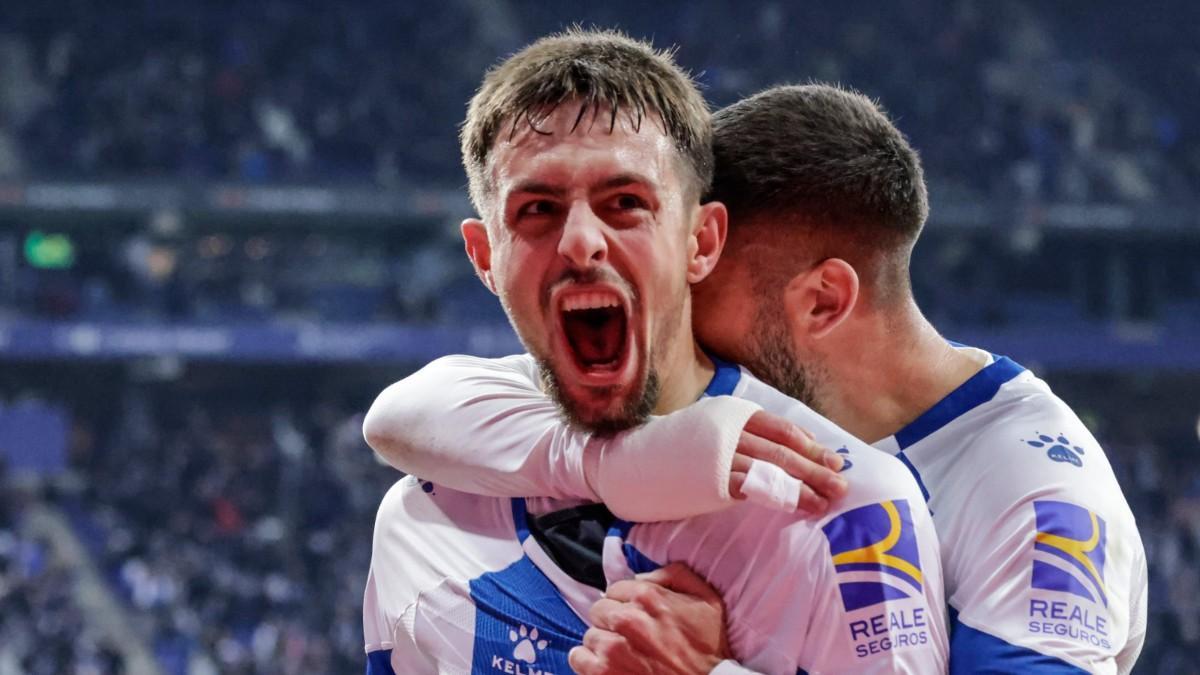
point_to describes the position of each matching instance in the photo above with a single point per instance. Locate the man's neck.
(892, 370)
(685, 378)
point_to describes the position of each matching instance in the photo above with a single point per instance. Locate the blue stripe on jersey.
(916, 474)
(725, 379)
(637, 561)
(981, 388)
(522, 624)
(519, 519)
(380, 663)
(974, 651)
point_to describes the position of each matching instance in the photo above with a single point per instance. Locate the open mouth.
(596, 329)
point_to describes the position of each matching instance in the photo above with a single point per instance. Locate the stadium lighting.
(49, 251)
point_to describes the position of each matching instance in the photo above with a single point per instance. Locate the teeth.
(594, 300)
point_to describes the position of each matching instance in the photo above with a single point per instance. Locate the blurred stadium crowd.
(231, 508)
(234, 522)
(1000, 98)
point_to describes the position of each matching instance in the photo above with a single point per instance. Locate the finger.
(603, 611)
(647, 596)
(741, 462)
(834, 461)
(826, 483)
(680, 578)
(811, 503)
(780, 430)
(737, 476)
(736, 480)
(610, 647)
(584, 661)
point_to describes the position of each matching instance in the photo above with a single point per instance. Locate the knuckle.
(644, 593)
(609, 648)
(792, 435)
(650, 599)
(781, 456)
(631, 623)
(591, 639)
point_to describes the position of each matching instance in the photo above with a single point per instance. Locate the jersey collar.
(725, 378)
(979, 389)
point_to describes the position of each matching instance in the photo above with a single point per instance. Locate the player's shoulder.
(875, 476)
(872, 475)
(872, 462)
(414, 500)
(522, 364)
(1028, 441)
(396, 503)
(1027, 400)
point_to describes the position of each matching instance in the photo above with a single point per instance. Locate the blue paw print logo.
(426, 486)
(845, 453)
(1059, 449)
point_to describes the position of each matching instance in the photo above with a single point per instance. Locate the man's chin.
(601, 409)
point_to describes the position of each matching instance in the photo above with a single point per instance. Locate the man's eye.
(541, 207)
(629, 202)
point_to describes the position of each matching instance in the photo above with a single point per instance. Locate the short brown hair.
(824, 158)
(606, 71)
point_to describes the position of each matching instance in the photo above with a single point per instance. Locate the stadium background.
(226, 225)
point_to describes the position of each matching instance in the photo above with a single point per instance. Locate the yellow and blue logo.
(875, 538)
(1075, 539)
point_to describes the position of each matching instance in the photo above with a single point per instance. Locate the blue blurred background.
(225, 225)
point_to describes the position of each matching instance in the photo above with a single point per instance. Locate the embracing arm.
(480, 426)
(484, 426)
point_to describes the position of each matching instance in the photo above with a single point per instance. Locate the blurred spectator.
(42, 630)
(1000, 98)
(242, 530)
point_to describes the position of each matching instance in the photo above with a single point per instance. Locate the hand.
(667, 622)
(773, 439)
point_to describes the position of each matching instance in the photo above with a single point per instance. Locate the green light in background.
(49, 251)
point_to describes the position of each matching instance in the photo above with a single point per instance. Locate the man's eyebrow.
(537, 188)
(626, 178)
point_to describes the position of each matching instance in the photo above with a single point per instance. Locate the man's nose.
(583, 242)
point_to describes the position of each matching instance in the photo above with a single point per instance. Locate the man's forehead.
(582, 141)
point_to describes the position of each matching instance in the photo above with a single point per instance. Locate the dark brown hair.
(826, 159)
(608, 73)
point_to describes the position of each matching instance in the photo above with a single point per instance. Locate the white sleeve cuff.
(731, 667)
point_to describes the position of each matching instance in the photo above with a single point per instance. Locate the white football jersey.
(1045, 570)
(458, 585)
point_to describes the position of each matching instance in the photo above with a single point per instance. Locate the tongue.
(595, 334)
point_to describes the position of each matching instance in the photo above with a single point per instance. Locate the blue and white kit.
(1044, 568)
(458, 584)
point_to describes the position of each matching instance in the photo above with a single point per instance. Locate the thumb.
(681, 579)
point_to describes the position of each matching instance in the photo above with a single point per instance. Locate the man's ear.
(819, 299)
(479, 250)
(706, 241)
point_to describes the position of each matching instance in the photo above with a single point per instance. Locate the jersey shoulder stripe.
(977, 390)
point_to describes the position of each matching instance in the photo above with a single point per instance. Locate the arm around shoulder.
(484, 426)
(481, 426)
